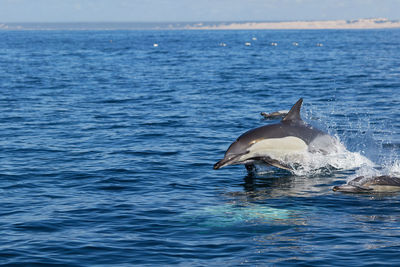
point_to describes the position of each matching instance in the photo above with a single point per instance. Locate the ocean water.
(107, 145)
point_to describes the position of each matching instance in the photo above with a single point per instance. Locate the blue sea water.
(107, 145)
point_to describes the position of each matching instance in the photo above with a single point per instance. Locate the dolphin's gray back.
(291, 125)
(283, 129)
(385, 180)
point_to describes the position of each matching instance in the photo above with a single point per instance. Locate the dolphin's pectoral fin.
(362, 188)
(349, 188)
(275, 163)
(358, 187)
(367, 188)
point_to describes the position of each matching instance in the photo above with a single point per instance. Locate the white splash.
(365, 171)
(392, 168)
(368, 172)
(325, 159)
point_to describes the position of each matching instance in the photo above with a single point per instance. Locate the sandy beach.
(376, 23)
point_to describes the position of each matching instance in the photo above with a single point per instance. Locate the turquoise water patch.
(231, 214)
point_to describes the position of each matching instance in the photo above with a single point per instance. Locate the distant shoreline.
(357, 24)
(380, 23)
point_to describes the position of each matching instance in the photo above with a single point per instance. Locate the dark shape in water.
(376, 184)
(275, 115)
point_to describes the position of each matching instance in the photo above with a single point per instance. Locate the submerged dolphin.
(277, 144)
(275, 115)
(376, 184)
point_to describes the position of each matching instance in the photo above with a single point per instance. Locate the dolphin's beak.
(227, 161)
(220, 163)
(345, 188)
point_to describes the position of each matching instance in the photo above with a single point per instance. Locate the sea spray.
(311, 163)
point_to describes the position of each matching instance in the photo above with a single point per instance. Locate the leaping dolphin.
(277, 144)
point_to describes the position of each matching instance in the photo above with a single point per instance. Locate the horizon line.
(199, 21)
(362, 23)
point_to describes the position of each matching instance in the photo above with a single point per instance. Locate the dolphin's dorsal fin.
(294, 113)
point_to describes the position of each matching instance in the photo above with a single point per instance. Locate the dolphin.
(276, 144)
(275, 115)
(375, 184)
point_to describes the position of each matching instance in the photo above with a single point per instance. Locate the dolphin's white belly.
(276, 148)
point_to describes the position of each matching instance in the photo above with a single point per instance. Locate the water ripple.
(107, 147)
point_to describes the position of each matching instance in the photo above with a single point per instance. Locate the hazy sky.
(193, 10)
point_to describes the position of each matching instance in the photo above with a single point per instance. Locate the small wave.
(116, 101)
(38, 226)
